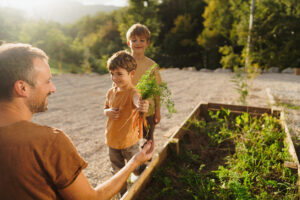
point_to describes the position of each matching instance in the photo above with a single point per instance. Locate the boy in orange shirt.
(138, 39)
(122, 138)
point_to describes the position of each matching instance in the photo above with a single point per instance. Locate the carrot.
(140, 127)
(134, 116)
(139, 121)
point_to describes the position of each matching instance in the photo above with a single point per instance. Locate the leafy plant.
(149, 88)
(254, 170)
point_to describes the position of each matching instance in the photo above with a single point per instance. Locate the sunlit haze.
(28, 4)
(62, 11)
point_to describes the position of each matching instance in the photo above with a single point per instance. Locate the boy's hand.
(142, 105)
(157, 116)
(113, 113)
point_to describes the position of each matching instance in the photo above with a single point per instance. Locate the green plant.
(288, 105)
(240, 81)
(254, 170)
(148, 88)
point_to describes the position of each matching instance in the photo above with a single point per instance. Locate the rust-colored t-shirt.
(120, 133)
(36, 162)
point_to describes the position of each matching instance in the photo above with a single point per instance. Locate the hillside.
(64, 11)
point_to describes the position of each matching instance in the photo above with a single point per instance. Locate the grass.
(288, 105)
(227, 158)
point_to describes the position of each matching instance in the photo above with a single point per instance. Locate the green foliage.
(202, 33)
(11, 21)
(233, 61)
(220, 130)
(148, 88)
(257, 162)
(144, 12)
(273, 38)
(243, 77)
(241, 84)
(276, 34)
(181, 25)
(254, 170)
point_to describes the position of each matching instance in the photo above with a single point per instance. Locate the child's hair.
(121, 59)
(138, 30)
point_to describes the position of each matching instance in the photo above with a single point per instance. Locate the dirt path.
(77, 107)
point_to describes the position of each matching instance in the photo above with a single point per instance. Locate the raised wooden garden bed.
(209, 157)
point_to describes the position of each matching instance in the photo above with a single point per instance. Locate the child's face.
(121, 77)
(138, 44)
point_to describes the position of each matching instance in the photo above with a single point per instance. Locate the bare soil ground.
(77, 107)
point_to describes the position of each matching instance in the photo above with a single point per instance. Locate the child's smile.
(121, 77)
(138, 44)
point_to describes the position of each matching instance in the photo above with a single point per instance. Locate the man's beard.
(38, 106)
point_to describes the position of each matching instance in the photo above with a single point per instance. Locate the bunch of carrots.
(148, 88)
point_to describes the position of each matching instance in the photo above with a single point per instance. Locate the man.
(40, 162)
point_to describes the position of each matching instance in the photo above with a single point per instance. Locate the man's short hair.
(138, 30)
(16, 63)
(121, 59)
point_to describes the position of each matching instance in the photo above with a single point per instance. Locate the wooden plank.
(291, 165)
(280, 113)
(288, 138)
(291, 147)
(172, 131)
(195, 113)
(145, 177)
(239, 108)
(174, 143)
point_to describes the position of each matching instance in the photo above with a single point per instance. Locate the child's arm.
(113, 113)
(141, 105)
(157, 116)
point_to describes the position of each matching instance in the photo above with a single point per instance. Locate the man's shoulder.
(37, 129)
(31, 134)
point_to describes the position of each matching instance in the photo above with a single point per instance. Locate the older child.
(138, 39)
(121, 101)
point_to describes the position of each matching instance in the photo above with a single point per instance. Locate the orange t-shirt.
(120, 133)
(36, 162)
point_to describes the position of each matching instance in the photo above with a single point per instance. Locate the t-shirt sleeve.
(63, 162)
(106, 104)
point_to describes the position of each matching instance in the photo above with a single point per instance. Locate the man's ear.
(128, 43)
(21, 88)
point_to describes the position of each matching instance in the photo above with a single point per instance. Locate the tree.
(64, 53)
(181, 24)
(11, 21)
(274, 36)
(144, 12)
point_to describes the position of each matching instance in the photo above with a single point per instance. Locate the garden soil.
(77, 107)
